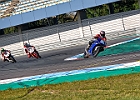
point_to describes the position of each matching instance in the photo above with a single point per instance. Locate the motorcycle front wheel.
(13, 59)
(96, 51)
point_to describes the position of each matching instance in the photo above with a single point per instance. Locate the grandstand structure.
(13, 7)
(17, 12)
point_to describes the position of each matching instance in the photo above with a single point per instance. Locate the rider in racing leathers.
(101, 36)
(3, 51)
(26, 46)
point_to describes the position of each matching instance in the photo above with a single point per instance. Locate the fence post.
(90, 28)
(20, 36)
(27, 37)
(80, 24)
(123, 23)
(58, 32)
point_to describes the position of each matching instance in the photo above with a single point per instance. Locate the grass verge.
(123, 87)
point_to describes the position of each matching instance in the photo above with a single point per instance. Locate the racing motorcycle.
(8, 57)
(33, 52)
(96, 47)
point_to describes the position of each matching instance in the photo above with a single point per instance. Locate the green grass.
(123, 87)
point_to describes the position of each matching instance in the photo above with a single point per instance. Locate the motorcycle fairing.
(94, 44)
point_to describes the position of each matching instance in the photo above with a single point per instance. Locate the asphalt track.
(53, 61)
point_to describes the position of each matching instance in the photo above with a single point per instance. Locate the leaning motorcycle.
(8, 57)
(33, 52)
(96, 47)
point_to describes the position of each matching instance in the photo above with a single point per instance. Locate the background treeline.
(120, 6)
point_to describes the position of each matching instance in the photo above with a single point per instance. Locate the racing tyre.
(13, 59)
(96, 51)
(35, 54)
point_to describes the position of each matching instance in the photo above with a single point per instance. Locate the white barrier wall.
(132, 21)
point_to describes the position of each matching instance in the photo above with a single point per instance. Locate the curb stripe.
(73, 72)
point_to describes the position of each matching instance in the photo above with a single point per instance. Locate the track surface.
(53, 61)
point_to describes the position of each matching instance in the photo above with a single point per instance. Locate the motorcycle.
(33, 52)
(8, 57)
(96, 47)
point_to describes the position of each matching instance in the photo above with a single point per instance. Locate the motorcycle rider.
(102, 36)
(3, 51)
(26, 46)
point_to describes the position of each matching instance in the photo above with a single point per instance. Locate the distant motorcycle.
(33, 52)
(8, 57)
(96, 47)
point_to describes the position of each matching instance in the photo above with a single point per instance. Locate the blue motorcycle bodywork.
(97, 42)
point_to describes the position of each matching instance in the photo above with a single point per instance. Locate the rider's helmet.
(2, 50)
(26, 44)
(102, 33)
